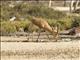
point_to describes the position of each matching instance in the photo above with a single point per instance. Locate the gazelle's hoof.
(56, 39)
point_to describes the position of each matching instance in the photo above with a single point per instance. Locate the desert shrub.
(75, 22)
(25, 10)
(7, 27)
(52, 22)
(10, 27)
(21, 24)
(45, 12)
(65, 23)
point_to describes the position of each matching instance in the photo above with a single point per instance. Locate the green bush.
(26, 10)
(45, 12)
(10, 27)
(75, 22)
(52, 22)
(7, 26)
(65, 23)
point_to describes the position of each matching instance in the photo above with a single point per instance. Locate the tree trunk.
(71, 5)
(50, 3)
(76, 4)
(64, 2)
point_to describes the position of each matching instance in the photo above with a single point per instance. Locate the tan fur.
(44, 25)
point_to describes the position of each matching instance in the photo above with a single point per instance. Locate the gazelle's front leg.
(55, 33)
(38, 37)
(55, 37)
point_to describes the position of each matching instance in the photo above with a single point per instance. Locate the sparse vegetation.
(26, 10)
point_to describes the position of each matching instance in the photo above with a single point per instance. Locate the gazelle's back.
(41, 24)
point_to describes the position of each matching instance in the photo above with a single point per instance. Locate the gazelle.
(44, 25)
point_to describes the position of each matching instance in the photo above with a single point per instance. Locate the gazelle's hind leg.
(38, 37)
(48, 36)
(28, 36)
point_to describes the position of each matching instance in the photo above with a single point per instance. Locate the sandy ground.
(42, 38)
(36, 58)
(40, 51)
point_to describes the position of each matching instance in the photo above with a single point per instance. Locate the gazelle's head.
(55, 31)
